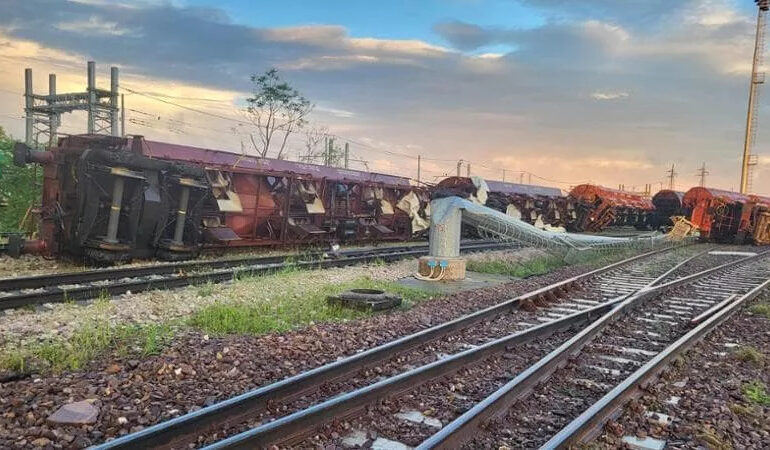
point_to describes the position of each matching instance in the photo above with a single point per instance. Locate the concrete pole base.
(454, 270)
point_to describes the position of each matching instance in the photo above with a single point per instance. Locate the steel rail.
(180, 430)
(461, 429)
(58, 294)
(590, 422)
(38, 281)
(290, 429)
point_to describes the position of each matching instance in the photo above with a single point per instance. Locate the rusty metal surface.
(590, 192)
(726, 216)
(599, 207)
(703, 193)
(235, 162)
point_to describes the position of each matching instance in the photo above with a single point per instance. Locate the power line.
(189, 108)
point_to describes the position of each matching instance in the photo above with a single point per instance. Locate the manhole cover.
(365, 299)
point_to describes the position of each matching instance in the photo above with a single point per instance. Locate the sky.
(603, 91)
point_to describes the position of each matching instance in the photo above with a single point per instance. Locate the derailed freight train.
(113, 199)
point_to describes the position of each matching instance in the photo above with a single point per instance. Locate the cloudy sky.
(608, 91)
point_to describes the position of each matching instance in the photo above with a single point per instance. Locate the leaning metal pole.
(448, 213)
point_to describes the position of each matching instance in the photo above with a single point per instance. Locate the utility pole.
(529, 177)
(114, 102)
(326, 149)
(347, 154)
(756, 80)
(123, 115)
(671, 176)
(521, 178)
(459, 167)
(53, 118)
(28, 104)
(419, 167)
(91, 91)
(503, 175)
(702, 172)
(330, 152)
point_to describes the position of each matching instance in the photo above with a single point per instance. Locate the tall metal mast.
(756, 80)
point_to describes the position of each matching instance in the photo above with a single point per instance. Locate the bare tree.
(314, 136)
(275, 107)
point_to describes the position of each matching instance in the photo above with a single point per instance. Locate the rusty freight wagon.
(725, 216)
(536, 205)
(112, 198)
(668, 203)
(599, 207)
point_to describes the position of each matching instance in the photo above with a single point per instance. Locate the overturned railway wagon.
(668, 203)
(112, 199)
(599, 207)
(536, 205)
(725, 216)
(533, 204)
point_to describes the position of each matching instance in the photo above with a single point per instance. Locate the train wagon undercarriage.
(115, 199)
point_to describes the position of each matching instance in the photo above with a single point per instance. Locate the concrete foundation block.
(454, 270)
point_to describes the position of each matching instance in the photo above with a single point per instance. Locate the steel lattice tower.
(43, 112)
(757, 79)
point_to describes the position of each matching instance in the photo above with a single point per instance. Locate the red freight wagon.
(599, 207)
(726, 216)
(115, 198)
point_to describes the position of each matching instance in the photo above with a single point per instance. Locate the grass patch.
(740, 410)
(291, 309)
(206, 290)
(96, 338)
(518, 269)
(541, 265)
(756, 392)
(761, 309)
(750, 355)
(87, 343)
(713, 440)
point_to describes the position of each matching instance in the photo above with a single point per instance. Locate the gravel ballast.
(704, 393)
(197, 370)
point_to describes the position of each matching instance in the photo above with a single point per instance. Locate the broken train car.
(724, 216)
(112, 199)
(541, 206)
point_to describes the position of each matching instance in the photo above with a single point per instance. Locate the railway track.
(24, 291)
(566, 397)
(285, 411)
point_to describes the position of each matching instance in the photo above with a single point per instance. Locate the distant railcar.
(536, 205)
(668, 203)
(120, 198)
(724, 216)
(598, 207)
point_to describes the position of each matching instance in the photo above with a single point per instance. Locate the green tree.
(275, 107)
(19, 188)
